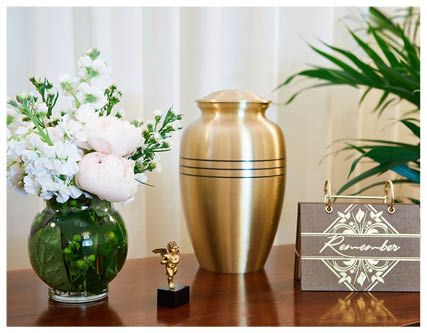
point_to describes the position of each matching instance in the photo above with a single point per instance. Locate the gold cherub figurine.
(169, 258)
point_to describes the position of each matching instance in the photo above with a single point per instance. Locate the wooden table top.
(267, 298)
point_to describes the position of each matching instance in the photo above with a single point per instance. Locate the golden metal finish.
(169, 257)
(232, 175)
(387, 198)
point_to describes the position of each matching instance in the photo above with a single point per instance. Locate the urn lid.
(232, 96)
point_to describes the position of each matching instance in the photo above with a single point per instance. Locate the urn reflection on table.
(232, 176)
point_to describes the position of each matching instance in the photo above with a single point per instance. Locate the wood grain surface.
(267, 298)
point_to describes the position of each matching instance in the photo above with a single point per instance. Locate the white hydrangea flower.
(15, 175)
(57, 113)
(91, 95)
(71, 128)
(94, 71)
(101, 67)
(46, 161)
(23, 130)
(68, 84)
(84, 61)
(31, 186)
(56, 133)
(101, 82)
(15, 149)
(85, 113)
(66, 157)
(41, 107)
(43, 170)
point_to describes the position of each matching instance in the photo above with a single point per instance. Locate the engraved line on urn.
(240, 177)
(239, 169)
(229, 160)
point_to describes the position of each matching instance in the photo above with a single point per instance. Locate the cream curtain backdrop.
(172, 56)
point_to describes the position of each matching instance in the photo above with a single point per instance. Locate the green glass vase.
(77, 248)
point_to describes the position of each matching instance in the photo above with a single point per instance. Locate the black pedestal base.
(173, 298)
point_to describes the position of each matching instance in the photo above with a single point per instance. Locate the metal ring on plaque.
(388, 197)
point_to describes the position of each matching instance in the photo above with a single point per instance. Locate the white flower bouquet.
(70, 146)
(83, 147)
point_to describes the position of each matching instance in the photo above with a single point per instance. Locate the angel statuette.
(170, 258)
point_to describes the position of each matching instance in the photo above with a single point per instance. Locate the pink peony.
(109, 177)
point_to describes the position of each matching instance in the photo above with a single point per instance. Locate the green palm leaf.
(391, 64)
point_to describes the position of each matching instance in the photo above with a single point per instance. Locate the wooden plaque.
(358, 247)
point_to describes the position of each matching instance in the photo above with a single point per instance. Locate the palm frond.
(391, 64)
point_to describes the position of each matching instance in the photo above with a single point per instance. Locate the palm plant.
(392, 66)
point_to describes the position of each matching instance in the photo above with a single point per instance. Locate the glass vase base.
(76, 297)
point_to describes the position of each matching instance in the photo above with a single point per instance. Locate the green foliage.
(113, 96)
(26, 105)
(155, 140)
(9, 119)
(46, 257)
(89, 247)
(395, 71)
(78, 263)
(111, 264)
(100, 207)
(93, 53)
(48, 94)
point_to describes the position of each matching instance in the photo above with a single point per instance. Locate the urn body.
(232, 178)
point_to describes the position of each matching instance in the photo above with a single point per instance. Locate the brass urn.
(232, 175)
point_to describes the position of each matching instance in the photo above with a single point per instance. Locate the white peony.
(110, 135)
(109, 177)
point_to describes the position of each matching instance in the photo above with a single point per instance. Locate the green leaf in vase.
(100, 207)
(111, 266)
(47, 259)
